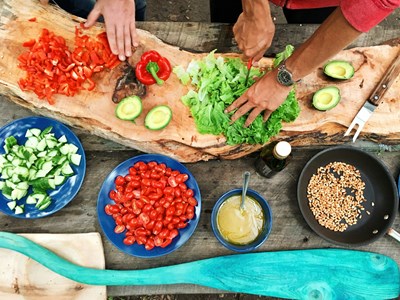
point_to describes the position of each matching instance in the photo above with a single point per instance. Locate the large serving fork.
(375, 99)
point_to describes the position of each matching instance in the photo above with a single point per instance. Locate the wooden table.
(289, 231)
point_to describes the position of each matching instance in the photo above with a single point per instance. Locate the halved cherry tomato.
(153, 203)
(119, 228)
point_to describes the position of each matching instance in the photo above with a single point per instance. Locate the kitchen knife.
(376, 98)
(293, 274)
(249, 64)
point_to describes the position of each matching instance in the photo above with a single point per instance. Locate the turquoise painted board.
(293, 274)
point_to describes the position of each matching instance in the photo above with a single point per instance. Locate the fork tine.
(360, 127)
(351, 127)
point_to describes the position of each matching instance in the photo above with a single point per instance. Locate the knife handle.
(388, 78)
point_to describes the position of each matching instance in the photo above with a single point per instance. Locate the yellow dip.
(240, 227)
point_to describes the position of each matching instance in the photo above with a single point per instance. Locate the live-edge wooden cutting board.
(22, 278)
(94, 111)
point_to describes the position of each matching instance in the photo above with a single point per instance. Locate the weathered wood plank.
(205, 37)
(214, 178)
(94, 110)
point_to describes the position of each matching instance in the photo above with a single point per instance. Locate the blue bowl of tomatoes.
(149, 205)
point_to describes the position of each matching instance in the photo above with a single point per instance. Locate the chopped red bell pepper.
(53, 69)
(153, 68)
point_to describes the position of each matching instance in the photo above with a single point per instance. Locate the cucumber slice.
(158, 117)
(67, 170)
(59, 179)
(30, 200)
(41, 145)
(19, 210)
(42, 163)
(32, 142)
(11, 204)
(42, 202)
(76, 159)
(44, 205)
(35, 131)
(129, 108)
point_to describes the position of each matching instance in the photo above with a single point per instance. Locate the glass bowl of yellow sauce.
(241, 230)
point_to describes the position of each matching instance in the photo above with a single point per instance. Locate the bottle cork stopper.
(282, 149)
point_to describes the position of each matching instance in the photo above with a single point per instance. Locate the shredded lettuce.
(219, 81)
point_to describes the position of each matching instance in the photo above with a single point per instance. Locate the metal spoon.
(246, 178)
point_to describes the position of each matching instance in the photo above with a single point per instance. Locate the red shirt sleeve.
(363, 15)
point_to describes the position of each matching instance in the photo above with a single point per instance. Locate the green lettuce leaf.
(218, 82)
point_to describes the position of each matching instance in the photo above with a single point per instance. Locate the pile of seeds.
(336, 195)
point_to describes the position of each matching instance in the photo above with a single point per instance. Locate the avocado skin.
(319, 98)
(339, 69)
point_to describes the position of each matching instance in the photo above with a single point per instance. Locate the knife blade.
(249, 64)
(375, 98)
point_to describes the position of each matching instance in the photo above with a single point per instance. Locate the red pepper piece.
(153, 68)
(29, 43)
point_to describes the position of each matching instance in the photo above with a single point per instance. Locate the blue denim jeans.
(82, 8)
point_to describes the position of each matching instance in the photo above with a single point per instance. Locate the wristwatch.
(284, 76)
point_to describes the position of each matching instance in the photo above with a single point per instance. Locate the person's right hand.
(254, 31)
(119, 18)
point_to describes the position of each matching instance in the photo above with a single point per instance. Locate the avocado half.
(129, 108)
(339, 69)
(326, 98)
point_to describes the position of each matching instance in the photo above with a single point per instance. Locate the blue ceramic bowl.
(267, 221)
(64, 193)
(107, 223)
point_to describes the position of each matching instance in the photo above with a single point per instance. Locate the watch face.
(284, 77)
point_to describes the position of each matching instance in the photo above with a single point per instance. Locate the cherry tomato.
(172, 181)
(107, 209)
(129, 240)
(192, 201)
(181, 225)
(166, 242)
(119, 228)
(141, 240)
(119, 180)
(149, 244)
(158, 241)
(158, 226)
(164, 233)
(174, 233)
(152, 204)
(189, 193)
(112, 194)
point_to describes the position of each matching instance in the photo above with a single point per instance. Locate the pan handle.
(394, 234)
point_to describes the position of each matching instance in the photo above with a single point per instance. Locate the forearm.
(256, 8)
(330, 38)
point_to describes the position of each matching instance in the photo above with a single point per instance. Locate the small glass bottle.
(273, 158)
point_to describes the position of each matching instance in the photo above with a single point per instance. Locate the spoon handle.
(246, 176)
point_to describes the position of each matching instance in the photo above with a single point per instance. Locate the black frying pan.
(380, 188)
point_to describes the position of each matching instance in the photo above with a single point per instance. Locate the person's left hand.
(119, 18)
(265, 95)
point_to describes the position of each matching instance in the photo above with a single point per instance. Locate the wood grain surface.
(94, 111)
(214, 177)
(24, 278)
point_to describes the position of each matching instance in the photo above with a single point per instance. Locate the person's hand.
(254, 31)
(265, 95)
(119, 18)
(44, 2)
